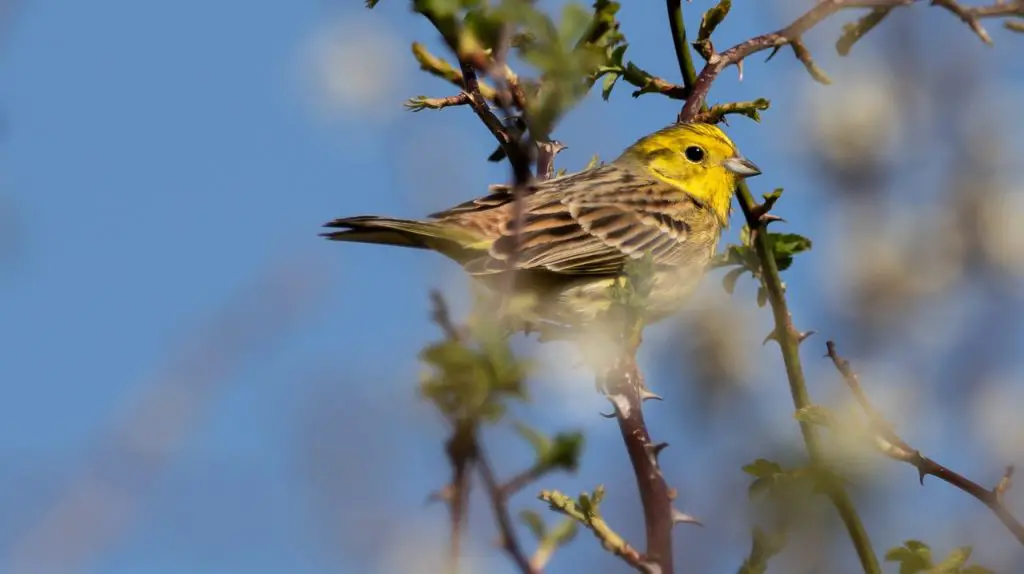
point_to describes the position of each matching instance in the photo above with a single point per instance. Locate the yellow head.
(696, 158)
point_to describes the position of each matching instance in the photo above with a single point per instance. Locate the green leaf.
(538, 441)
(371, 4)
(952, 563)
(608, 85)
(763, 547)
(785, 246)
(762, 468)
(575, 21)
(564, 452)
(914, 557)
(534, 523)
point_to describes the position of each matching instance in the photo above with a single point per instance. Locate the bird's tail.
(435, 235)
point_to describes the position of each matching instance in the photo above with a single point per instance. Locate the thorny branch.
(623, 385)
(499, 505)
(464, 451)
(896, 448)
(789, 340)
(792, 36)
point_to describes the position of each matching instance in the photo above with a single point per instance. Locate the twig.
(442, 69)
(461, 449)
(717, 112)
(516, 156)
(788, 35)
(854, 31)
(586, 512)
(896, 448)
(622, 384)
(420, 103)
(509, 540)
(791, 35)
(683, 54)
(789, 339)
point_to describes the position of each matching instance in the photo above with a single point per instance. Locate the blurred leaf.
(470, 380)
(608, 85)
(371, 3)
(534, 523)
(565, 451)
(763, 547)
(762, 468)
(594, 162)
(914, 556)
(562, 452)
(730, 279)
(953, 562)
(563, 533)
(538, 441)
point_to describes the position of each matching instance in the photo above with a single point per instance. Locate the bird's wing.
(573, 226)
(499, 195)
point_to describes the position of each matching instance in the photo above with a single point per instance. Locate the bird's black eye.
(694, 154)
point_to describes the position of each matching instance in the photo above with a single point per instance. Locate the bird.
(667, 197)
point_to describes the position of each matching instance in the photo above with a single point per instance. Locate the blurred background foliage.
(154, 161)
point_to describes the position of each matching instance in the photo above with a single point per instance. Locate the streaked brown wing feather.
(499, 195)
(569, 228)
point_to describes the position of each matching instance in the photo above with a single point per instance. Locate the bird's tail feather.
(401, 232)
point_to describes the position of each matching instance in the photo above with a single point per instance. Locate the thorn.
(650, 568)
(679, 517)
(775, 50)
(739, 66)
(607, 416)
(768, 218)
(920, 476)
(771, 337)
(1004, 483)
(655, 449)
(444, 495)
(802, 336)
(621, 404)
(646, 394)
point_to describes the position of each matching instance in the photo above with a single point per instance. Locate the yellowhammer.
(669, 194)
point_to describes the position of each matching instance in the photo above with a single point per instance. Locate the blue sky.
(167, 164)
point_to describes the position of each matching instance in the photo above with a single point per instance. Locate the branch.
(683, 54)
(717, 112)
(791, 35)
(499, 504)
(469, 62)
(622, 384)
(437, 67)
(896, 448)
(789, 339)
(624, 387)
(420, 103)
(585, 511)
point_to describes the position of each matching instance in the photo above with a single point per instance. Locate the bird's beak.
(741, 166)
